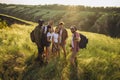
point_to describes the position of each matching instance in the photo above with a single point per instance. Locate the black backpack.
(83, 42)
(32, 37)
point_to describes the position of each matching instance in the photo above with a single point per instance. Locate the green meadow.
(99, 61)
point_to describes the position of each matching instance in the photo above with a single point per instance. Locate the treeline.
(93, 19)
(64, 7)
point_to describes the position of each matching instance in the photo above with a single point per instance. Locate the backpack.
(32, 36)
(83, 42)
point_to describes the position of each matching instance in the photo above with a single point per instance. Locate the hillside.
(12, 20)
(93, 19)
(99, 61)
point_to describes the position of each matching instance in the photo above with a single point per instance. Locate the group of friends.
(47, 36)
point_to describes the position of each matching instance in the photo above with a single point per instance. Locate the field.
(99, 61)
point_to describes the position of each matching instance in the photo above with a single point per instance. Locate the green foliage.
(92, 19)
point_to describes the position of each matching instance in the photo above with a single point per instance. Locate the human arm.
(48, 38)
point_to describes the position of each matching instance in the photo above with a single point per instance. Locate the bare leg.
(63, 47)
(46, 54)
(73, 57)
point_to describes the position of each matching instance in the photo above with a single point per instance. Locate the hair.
(73, 27)
(57, 28)
(40, 21)
(61, 23)
(48, 27)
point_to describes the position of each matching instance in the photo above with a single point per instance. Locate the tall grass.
(99, 61)
(15, 48)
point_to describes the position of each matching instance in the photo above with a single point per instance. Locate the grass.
(99, 61)
(14, 44)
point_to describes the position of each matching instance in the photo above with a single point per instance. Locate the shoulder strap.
(44, 29)
(75, 35)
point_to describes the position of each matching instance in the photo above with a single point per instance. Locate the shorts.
(47, 44)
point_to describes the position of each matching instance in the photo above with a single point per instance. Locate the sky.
(97, 3)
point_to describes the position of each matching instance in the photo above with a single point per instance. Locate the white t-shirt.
(49, 35)
(55, 36)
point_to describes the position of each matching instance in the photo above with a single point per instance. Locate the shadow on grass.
(50, 71)
(73, 73)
